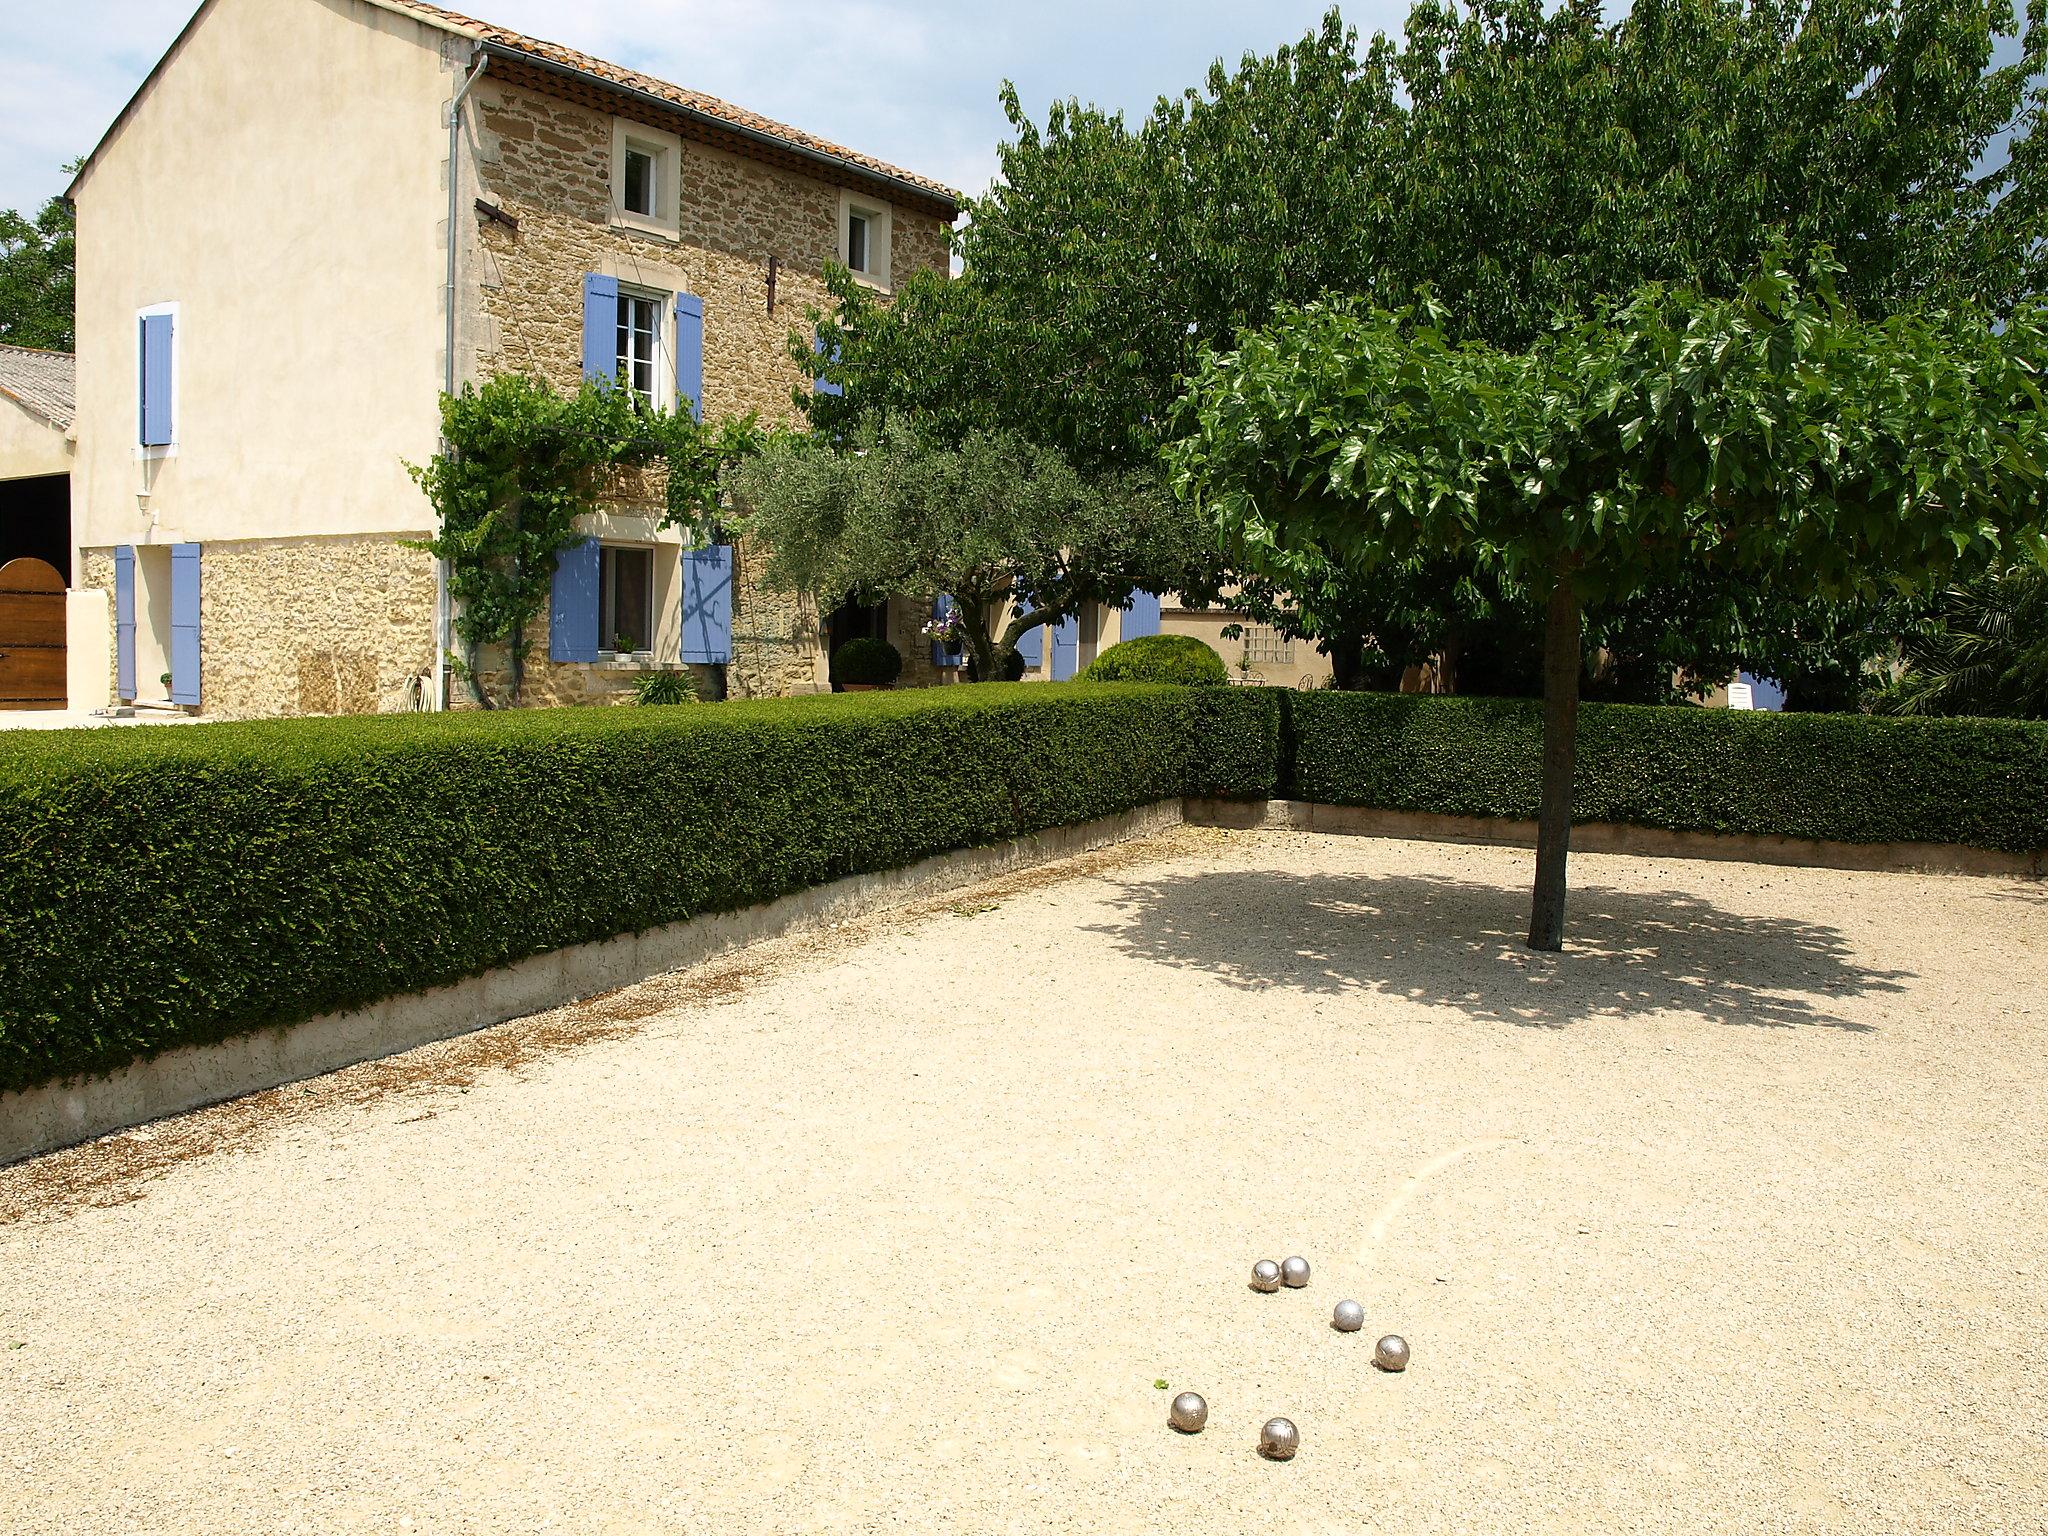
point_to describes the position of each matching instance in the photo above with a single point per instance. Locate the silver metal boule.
(1294, 1271)
(1265, 1276)
(1279, 1440)
(1348, 1318)
(1189, 1413)
(1391, 1353)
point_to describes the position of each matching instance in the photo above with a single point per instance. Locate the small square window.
(864, 239)
(626, 613)
(638, 193)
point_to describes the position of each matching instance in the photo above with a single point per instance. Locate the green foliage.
(664, 687)
(1842, 778)
(876, 663)
(1771, 438)
(1159, 659)
(991, 517)
(170, 887)
(1980, 649)
(38, 261)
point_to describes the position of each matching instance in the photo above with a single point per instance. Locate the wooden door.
(31, 636)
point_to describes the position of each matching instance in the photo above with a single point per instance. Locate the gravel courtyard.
(1734, 1218)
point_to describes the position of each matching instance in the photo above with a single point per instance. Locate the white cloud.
(912, 81)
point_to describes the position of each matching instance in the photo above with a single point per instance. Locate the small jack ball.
(1294, 1272)
(1348, 1318)
(1265, 1276)
(1189, 1413)
(1391, 1353)
(1279, 1440)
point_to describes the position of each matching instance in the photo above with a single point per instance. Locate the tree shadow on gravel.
(1460, 943)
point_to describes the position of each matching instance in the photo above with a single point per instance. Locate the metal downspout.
(443, 608)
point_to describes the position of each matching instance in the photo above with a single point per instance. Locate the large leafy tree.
(1009, 529)
(1517, 160)
(37, 267)
(1772, 439)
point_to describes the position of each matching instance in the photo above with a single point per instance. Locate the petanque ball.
(1279, 1440)
(1265, 1276)
(1189, 1413)
(1348, 1318)
(1391, 1353)
(1294, 1272)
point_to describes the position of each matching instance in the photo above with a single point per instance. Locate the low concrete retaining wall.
(1614, 837)
(59, 1114)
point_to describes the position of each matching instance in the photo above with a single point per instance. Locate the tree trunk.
(518, 658)
(1561, 660)
(980, 649)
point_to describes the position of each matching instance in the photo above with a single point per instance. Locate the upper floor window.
(646, 177)
(864, 230)
(156, 383)
(639, 350)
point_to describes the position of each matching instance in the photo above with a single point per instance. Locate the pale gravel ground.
(1730, 1220)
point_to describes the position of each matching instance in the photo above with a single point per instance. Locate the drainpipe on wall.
(443, 608)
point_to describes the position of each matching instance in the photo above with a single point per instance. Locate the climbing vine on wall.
(520, 463)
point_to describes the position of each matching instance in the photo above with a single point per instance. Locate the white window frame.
(667, 150)
(607, 602)
(662, 397)
(169, 450)
(881, 219)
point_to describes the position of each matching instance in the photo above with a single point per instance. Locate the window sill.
(879, 284)
(634, 661)
(641, 225)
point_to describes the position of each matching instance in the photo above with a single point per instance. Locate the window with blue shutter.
(1066, 648)
(707, 604)
(573, 604)
(690, 352)
(124, 621)
(1141, 615)
(185, 624)
(1030, 644)
(941, 657)
(600, 327)
(154, 386)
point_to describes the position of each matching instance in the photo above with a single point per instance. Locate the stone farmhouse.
(314, 217)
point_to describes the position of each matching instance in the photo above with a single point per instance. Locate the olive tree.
(990, 520)
(1772, 438)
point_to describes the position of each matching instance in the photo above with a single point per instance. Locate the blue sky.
(913, 81)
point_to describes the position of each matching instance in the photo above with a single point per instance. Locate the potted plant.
(863, 665)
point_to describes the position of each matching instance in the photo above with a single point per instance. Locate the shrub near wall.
(1838, 778)
(166, 887)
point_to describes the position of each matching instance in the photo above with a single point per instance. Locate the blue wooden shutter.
(154, 403)
(184, 623)
(600, 329)
(573, 603)
(690, 352)
(1066, 648)
(707, 604)
(941, 657)
(821, 384)
(124, 621)
(1031, 644)
(1141, 615)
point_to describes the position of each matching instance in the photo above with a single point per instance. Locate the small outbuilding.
(36, 448)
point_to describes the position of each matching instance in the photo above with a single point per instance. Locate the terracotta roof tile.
(41, 382)
(689, 101)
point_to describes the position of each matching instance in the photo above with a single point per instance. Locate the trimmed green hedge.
(1159, 659)
(171, 886)
(1841, 778)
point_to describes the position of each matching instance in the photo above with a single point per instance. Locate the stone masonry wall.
(312, 626)
(547, 162)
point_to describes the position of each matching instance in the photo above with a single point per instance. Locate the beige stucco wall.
(281, 182)
(29, 445)
(547, 163)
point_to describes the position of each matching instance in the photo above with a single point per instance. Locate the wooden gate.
(31, 636)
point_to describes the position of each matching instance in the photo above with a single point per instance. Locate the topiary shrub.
(866, 663)
(1159, 659)
(664, 688)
